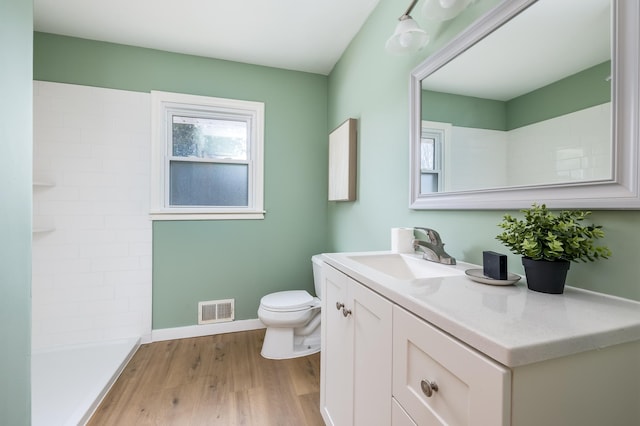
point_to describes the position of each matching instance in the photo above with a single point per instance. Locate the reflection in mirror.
(432, 138)
(530, 104)
(534, 102)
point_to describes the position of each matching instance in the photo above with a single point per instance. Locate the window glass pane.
(428, 154)
(208, 184)
(428, 183)
(209, 138)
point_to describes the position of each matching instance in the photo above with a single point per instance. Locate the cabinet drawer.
(471, 388)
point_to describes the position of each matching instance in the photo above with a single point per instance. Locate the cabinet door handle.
(428, 388)
(346, 312)
(339, 305)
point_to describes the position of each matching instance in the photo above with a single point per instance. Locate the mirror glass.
(530, 104)
(524, 104)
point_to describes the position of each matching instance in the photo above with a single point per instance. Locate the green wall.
(242, 259)
(581, 90)
(464, 111)
(16, 35)
(372, 86)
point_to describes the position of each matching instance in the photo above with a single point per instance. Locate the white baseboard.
(205, 329)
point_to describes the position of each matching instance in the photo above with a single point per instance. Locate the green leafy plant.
(543, 235)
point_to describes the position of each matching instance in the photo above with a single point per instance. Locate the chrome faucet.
(432, 248)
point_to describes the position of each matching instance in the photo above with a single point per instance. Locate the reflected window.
(431, 161)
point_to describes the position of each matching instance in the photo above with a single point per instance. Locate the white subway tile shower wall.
(561, 149)
(92, 272)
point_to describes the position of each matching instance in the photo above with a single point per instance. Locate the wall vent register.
(213, 311)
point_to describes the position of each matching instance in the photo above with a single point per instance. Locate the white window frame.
(441, 134)
(163, 105)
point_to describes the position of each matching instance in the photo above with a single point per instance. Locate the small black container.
(494, 265)
(546, 276)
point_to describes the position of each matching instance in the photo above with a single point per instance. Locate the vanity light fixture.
(408, 36)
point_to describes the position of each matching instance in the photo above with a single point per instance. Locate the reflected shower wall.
(563, 149)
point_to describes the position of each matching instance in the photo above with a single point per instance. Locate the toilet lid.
(287, 300)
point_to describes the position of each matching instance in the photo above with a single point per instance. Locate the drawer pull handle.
(346, 312)
(339, 305)
(428, 388)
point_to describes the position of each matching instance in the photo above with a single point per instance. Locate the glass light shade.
(407, 38)
(443, 10)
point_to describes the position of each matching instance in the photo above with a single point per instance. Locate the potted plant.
(548, 243)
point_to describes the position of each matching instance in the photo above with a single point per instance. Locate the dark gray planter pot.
(546, 276)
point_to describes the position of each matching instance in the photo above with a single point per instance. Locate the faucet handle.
(432, 235)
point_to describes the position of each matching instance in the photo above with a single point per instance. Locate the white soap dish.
(478, 276)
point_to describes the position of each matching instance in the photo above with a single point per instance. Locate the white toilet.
(292, 319)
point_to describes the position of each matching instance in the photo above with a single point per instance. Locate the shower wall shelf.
(42, 229)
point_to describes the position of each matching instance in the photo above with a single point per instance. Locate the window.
(431, 161)
(207, 158)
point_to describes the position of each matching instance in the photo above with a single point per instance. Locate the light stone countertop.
(511, 324)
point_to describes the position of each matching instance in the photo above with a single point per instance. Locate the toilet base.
(282, 343)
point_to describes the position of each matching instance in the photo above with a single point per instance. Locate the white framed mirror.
(564, 110)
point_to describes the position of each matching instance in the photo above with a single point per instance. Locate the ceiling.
(301, 35)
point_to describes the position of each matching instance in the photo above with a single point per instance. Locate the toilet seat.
(288, 301)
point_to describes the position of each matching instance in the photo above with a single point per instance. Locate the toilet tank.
(317, 263)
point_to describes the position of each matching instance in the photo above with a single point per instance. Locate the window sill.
(208, 216)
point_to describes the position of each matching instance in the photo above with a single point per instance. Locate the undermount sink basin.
(405, 266)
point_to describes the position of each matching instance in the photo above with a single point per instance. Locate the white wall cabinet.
(356, 355)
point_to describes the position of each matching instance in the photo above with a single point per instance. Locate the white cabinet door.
(336, 357)
(356, 353)
(372, 351)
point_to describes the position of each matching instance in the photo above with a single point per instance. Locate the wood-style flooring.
(213, 380)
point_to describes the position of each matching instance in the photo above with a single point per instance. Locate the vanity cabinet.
(443, 351)
(356, 353)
